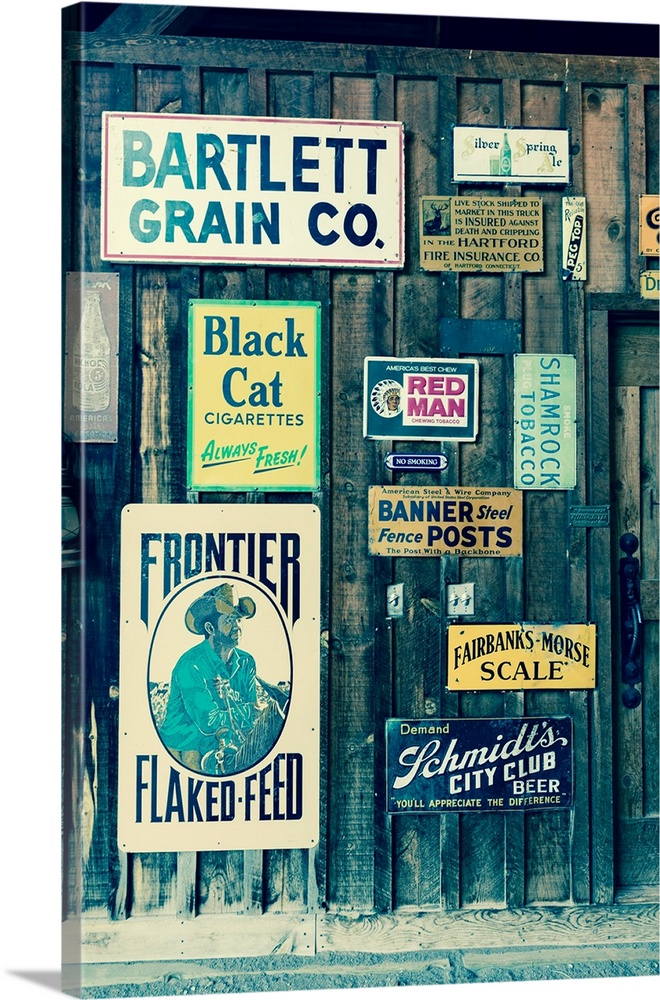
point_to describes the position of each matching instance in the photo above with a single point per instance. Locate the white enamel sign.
(215, 189)
(219, 677)
(489, 154)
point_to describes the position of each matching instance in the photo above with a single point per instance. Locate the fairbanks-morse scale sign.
(219, 677)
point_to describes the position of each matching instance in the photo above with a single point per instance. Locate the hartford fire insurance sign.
(215, 189)
(219, 677)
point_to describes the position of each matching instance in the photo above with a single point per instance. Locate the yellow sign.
(517, 656)
(253, 395)
(649, 225)
(649, 284)
(444, 520)
(481, 234)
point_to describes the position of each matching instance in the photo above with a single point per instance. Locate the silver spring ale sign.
(253, 395)
(219, 677)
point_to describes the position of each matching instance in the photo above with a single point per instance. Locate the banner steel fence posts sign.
(478, 765)
(219, 677)
(191, 189)
(521, 656)
(544, 422)
(423, 399)
(254, 395)
(490, 154)
(444, 520)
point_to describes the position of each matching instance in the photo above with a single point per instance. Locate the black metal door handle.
(631, 621)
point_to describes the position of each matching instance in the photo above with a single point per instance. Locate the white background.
(31, 153)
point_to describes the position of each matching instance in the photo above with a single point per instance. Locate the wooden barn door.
(635, 511)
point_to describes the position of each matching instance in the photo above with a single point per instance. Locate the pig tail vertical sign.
(253, 395)
(219, 682)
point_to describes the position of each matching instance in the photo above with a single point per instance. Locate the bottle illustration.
(505, 158)
(91, 358)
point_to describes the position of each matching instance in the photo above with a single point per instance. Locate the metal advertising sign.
(489, 154)
(444, 520)
(254, 395)
(544, 421)
(574, 239)
(649, 284)
(424, 399)
(593, 516)
(219, 677)
(183, 188)
(649, 225)
(398, 462)
(478, 765)
(521, 656)
(91, 345)
(481, 234)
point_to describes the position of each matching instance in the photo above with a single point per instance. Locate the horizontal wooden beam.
(137, 939)
(221, 953)
(232, 53)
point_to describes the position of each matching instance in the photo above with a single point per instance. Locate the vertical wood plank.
(637, 171)
(578, 566)
(482, 880)
(605, 187)
(629, 734)
(649, 559)
(416, 636)
(448, 286)
(601, 586)
(652, 138)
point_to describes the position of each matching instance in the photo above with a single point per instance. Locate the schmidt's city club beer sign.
(239, 190)
(478, 765)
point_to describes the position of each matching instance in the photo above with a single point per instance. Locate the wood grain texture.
(462, 64)
(416, 636)
(366, 860)
(605, 188)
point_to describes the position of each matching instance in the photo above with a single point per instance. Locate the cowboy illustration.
(220, 716)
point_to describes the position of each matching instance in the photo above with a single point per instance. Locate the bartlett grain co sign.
(207, 188)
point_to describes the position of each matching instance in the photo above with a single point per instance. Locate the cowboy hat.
(219, 601)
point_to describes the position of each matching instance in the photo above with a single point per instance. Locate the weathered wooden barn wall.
(372, 668)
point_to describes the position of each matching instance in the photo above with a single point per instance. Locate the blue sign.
(416, 463)
(478, 765)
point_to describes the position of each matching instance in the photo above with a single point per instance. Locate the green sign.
(544, 422)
